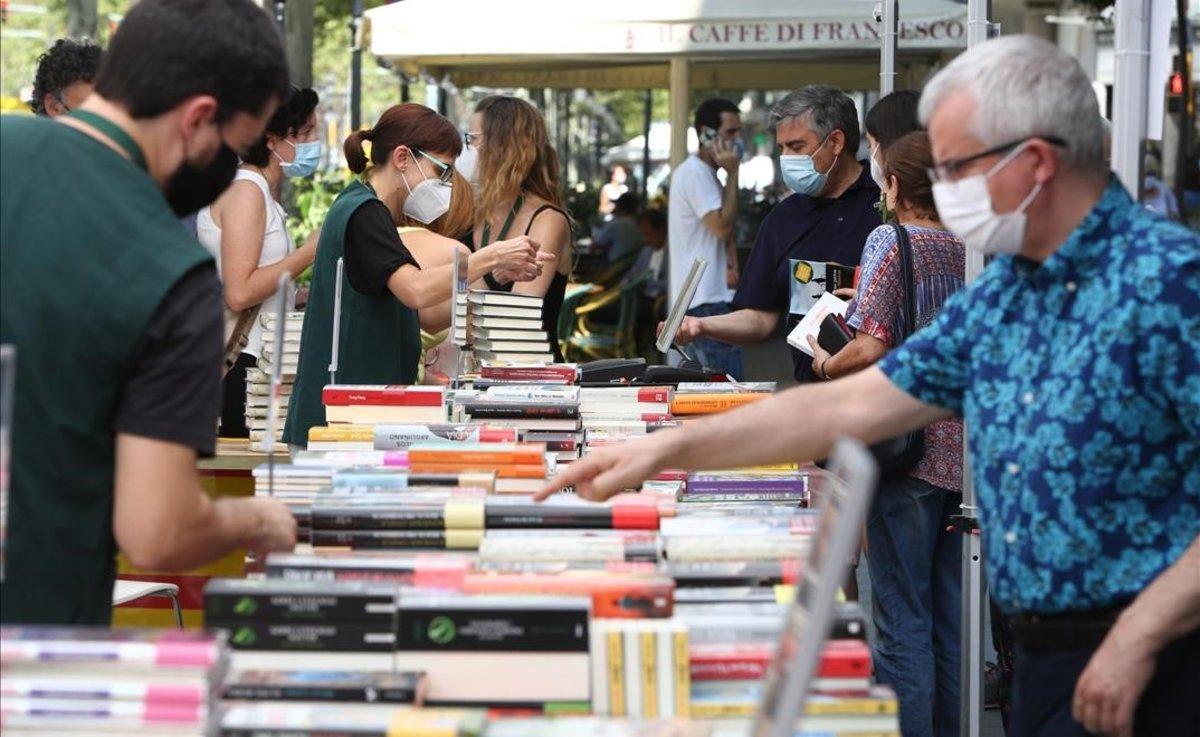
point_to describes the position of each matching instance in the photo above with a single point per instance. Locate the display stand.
(337, 323)
(276, 375)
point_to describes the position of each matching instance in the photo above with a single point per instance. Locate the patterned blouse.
(878, 310)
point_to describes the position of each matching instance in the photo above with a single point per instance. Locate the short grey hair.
(823, 108)
(1024, 86)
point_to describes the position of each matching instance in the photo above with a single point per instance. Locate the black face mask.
(192, 188)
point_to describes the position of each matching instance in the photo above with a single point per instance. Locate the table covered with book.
(429, 595)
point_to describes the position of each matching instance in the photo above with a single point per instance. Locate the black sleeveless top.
(552, 302)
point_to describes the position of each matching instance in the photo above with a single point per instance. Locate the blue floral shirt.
(1079, 380)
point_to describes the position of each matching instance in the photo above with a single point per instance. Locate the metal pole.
(1183, 31)
(356, 65)
(337, 323)
(974, 587)
(681, 93)
(888, 46)
(647, 113)
(1132, 65)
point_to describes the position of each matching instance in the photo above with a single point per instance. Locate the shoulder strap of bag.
(239, 337)
(904, 247)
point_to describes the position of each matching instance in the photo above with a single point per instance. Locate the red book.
(394, 395)
(556, 373)
(845, 659)
(724, 662)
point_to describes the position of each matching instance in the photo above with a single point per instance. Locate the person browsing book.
(1079, 382)
(914, 562)
(519, 191)
(246, 231)
(407, 178)
(827, 219)
(115, 311)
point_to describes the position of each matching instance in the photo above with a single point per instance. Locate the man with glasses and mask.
(828, 218)
(1075, 361)
(115, 311)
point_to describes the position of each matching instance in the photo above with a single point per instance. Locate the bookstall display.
(429, 595)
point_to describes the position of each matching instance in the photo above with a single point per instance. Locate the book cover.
(309, 636)
(322, 685)
(238, 599)
(402, 437)
(529, 358)
(486, 409)
(625, 394)
(493, 623)
(142, 647)
(506, 311)
(489, 453)
(697, 404)
(564, 372)
(397, 539)
(389, 395)
(502, 470)
(491, 297)
(493, 322)
(495, 345)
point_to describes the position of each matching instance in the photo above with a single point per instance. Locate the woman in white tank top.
(246, 231)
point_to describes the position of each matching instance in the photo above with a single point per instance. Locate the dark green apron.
(379, 340)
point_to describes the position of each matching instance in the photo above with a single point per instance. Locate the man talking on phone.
(700, 220)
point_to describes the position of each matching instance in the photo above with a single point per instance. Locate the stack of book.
(278, 624)
(520, 468)
(507, 327)
(258, 379)
(746, 486)
(640, 668)
(625, 411)
(546, 415)
(67, 680)
(283, 688)
(371, 404)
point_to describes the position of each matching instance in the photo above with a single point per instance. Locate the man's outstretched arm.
(799, 424)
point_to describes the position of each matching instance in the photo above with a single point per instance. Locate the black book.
(232, 600)
(455, 623)
(398, 539)
(484, 410)
(320, 685)
(309, 636)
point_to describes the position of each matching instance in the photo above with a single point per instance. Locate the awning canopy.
(766, 44)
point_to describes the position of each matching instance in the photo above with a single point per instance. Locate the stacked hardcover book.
(519, 467)
(507, 327)
(279, 624)
(625, 411)
(258, 379)
(67, 680)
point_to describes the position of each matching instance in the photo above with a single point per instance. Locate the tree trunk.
(298, 40)
(82, 18)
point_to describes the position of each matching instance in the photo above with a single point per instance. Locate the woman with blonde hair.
(519, 192)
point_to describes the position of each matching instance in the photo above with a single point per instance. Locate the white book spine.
(599, 655)
(633, 670)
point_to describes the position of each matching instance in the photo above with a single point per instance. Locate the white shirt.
(695, 192)
(277, 244)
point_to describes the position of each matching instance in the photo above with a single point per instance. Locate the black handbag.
(899, 455)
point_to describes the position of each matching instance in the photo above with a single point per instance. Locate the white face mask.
(467, 164)
(876, 169)
(965, 207)
(427, 201)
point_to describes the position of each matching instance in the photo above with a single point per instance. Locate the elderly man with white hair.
(1075, 361)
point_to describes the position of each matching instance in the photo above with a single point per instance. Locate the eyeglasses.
(471, 138)
(952, 169)
(446, 173)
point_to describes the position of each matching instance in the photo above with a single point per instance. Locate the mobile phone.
(708, 136)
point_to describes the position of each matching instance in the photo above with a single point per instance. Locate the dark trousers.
(916, 598)
(233, 399)
(1044, 686)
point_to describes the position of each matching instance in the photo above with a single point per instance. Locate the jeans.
(916, 572)
(713, 354)
(1044, 687)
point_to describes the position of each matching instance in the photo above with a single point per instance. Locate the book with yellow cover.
(702, 404)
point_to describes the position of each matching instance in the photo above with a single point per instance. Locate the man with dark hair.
(64, 76)
(826, 220)
(700, 216)
(115, 311)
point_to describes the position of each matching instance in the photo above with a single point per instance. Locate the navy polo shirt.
(809, 228)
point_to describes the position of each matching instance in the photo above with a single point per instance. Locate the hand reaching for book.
(605, 472)
(276, 531)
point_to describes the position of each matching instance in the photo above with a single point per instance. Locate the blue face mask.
(800, 173)
(308, 158)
